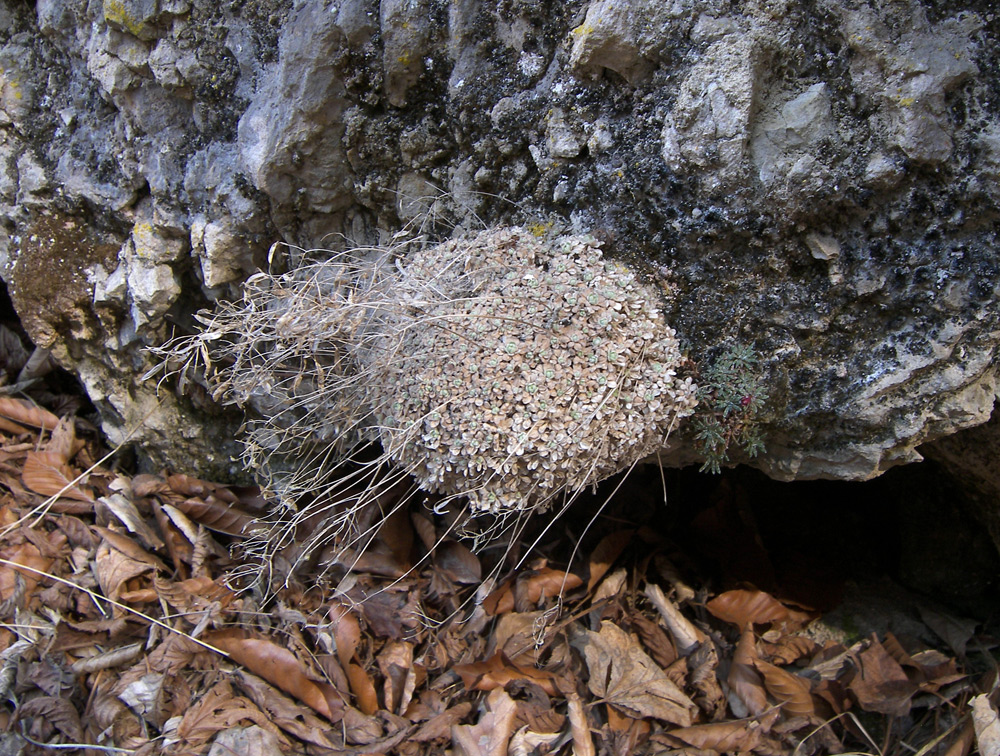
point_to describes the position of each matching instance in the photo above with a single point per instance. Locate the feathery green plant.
(730, 395)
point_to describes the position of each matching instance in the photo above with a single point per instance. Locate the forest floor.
(132, 622)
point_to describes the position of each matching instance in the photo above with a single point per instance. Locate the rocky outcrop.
(819, 180)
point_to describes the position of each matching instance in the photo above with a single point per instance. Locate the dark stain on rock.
(48, 277)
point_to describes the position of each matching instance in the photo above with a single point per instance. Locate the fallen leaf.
(952, 630)
(686, 636)
(26, 554)
(247, 741)
(623, 675)
(987, 725)
(278, 666)
(880, 683)
(439, 726)
(789, 649)
(129, 516)
(216, 711)
(27, 413)
(363, 688)
(114, 569)
(294, 718)
(395, 661)
(583, 743)
(47, 475)
(545, 582)
(743, 607)
(491, 734)
(743, 680)
(56, 711)
(458, 563)
(741, 736)
(792, 691)
(497, 672)
(217, 515)
(606, 553)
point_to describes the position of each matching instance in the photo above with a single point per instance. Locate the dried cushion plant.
(502, 369)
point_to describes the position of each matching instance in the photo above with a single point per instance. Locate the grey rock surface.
(818, 179)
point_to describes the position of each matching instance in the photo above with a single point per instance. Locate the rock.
(818, 183)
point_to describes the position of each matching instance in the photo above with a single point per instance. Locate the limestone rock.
(820, 182)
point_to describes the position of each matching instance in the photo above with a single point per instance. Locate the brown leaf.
(605, 554)
(46, 474)
(792, 691)
(686, 636)
(743, 680)
(216, 515)
(541, 583)
(114, 569)
(880, 683)
(346, 631)
(395, 661)
(293, 718)
(278, 666)
(363, 688)
(741, 736)
(789, 649)
(952, 630)
(497, 671)
(128, 547)
(26, 554)
(458, 563)
(489, 736)
(743, 607)
(194, 594)
(27, 413)
(439, 726)
(57, 711)
(623, 675)
(219, 710)
(655, 639)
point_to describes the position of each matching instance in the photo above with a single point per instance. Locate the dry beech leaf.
(216, 515)
(458, 563)
(27, 413)
(491, 734)
(346, 632)
(395, 661)
(129, 516)
(741, 736)
(880, 683)
(47, 474)
(743, 680)
(792, 691)
(194, 594)
(219, 710)
(363, 689)
(114, 569)
(57, 711)
(623, 675)
(987, 725)
(606, 553)
(743, 607)
(292, 717)
(686, 636)
(543, 583)
(497, 671)
(439, 726)
(26, 554)
(279, 667)
(63, 442)
(789, 649)
(128, 547)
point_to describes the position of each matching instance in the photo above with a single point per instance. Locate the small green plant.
(730, 396)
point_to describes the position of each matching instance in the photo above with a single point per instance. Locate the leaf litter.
(133, 621)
